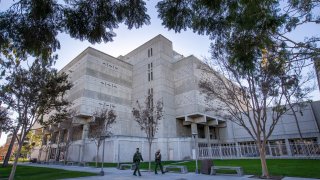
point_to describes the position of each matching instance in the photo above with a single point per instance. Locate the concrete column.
(288, 147)
(194, 128)
(207, 134)
(85, 132)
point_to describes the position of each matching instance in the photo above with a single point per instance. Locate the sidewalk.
(115, 174)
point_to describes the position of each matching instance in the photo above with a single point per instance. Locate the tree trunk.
(9, 151)
(14, 166)
(150, 144)
(262, 151)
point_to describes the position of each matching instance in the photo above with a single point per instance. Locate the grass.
(277, 167)
(40, 173)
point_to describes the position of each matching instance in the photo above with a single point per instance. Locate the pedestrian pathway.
(115, 174)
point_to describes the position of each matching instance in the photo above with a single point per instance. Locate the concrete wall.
(121, 148)
(101, 81)
(286, 127)
(162, 83)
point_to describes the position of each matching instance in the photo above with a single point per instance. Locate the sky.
(186, 42)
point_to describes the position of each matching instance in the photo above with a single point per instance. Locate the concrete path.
(115, 174)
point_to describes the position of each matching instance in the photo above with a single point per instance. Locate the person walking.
(158, 162)
(136, 160)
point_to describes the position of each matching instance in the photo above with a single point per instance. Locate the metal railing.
(233, 151)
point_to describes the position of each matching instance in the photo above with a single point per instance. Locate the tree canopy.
(32, 26)
(241, 30)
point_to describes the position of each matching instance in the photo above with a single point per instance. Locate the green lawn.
(40, 173)
(277, 167)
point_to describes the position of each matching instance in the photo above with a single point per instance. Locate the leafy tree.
(8, 149)
(4, 150)
(255, 99)
(5, 120)
(240, 30)
(148, 118)
(31, 93)
(100, 127)
(34, 140)
(31, 27)
(253, 42)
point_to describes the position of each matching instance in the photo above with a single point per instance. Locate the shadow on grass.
(41, 173)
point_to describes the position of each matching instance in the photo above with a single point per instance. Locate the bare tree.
(255, 99)
(65, 128)
(101, 127)
(148, 118)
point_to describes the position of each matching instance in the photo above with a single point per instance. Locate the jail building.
(100, 80)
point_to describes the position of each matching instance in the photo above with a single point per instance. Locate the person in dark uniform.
(158, 162)
(136, 160)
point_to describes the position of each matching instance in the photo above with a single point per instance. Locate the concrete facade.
(101, 80)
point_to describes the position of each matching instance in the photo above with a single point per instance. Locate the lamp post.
(103, 137)
(194, 135)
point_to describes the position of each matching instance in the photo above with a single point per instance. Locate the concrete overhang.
(200, 118)
(82, 119)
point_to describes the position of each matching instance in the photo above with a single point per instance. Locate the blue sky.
(185, 43)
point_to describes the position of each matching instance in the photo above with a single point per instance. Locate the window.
(150, 97)
(150, 72)
(150, 52)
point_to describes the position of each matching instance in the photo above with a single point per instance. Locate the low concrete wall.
(122, 148)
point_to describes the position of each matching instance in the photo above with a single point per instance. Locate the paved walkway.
(115, 174)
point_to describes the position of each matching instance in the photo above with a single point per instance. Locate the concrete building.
(101, 80)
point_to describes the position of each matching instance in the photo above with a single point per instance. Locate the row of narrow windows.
(150, 78)
(150, 52)
(150, 72)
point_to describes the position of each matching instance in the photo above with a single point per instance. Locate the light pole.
(103, 137)
(194, 135)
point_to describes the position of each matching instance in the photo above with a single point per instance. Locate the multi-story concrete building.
(101, 80)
